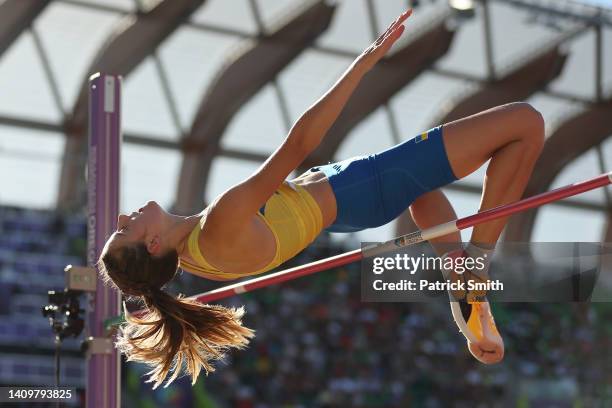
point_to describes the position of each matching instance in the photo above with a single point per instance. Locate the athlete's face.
(138, 227)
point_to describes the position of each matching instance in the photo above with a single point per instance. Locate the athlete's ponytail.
(174, 333)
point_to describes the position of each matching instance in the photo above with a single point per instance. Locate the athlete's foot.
(488, 347)
(472, 314)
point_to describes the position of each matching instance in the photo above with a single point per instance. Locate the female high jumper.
(265, 220)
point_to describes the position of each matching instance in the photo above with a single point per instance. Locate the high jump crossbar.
(412, 238)
(406, 240)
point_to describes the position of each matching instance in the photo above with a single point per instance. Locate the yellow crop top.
(293, 216)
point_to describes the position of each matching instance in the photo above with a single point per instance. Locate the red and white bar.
(405, 240)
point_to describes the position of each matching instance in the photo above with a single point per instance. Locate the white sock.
(483, 251)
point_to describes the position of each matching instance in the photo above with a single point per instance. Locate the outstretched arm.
(234, 207)
(317, 119)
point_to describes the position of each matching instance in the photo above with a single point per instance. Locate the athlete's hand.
(379, 48)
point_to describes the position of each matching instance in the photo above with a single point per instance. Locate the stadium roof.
(180, 58)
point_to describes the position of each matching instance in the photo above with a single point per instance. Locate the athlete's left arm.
(318, 119)
(229, 213)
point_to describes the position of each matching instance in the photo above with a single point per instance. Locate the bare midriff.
(317, 185)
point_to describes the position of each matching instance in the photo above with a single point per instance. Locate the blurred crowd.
(317, 344)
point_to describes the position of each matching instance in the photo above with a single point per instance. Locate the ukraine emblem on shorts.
(421, 137)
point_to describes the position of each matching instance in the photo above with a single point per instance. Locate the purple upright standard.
(103, 368)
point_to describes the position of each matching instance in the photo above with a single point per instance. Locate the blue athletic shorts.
(374, 189)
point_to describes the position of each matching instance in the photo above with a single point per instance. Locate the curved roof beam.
(568, 142)
(387, 78)
(15, 17)
(247, 72)
(518, 84)
(136, 37)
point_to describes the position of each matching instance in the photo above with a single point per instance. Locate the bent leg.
(433, 208)
(511, 136)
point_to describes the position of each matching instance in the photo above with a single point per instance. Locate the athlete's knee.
(532, 127)
(533, 117)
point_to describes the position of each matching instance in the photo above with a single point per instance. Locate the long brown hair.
(174, 333)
